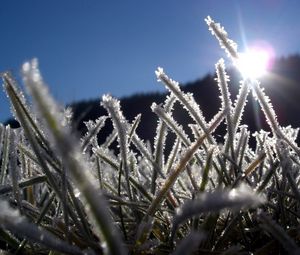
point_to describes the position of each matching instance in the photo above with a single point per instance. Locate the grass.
(61, 194)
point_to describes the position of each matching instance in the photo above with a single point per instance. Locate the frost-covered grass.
(62, 194)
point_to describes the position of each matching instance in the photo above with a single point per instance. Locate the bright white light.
(253, 63)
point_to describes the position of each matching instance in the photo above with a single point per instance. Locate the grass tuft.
(61, 193)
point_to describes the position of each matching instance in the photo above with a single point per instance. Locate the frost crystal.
(39, 91)
(266, 106)
(97, 191)
(159, 72)
(186, 99)
(219, 32)
(121, 125)
(172, 124)
(222, 79)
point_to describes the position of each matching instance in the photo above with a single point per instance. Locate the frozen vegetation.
(70, 195)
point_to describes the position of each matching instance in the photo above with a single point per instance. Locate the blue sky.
(90, 47)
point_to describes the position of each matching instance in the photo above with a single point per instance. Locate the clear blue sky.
(90, 47)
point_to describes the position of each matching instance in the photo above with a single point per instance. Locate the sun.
(253, 63)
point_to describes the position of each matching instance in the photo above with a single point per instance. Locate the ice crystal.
(227, 44)
(67, 116)
(93, 128)
(10, 83)
(172, 124)
(90, 193)
(240, 103)
(290, 132)
(161, 133)
(186, 99)
(223, 79)
(34, 81)
(266, 106)
(112, 105)
(234, 199)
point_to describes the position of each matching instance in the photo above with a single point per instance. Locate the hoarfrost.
(227, 44)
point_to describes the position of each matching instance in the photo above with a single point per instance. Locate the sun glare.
(253, 63)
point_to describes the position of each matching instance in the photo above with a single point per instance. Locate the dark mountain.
(282, 85)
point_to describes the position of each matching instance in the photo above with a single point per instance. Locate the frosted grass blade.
(14, 169)
(113, 107)
(267, 108)
(240, 103)
(207, 167)
(40, 218)
(2, 132)
(139, 144)
(17, 98)
(187, 100)
(172, 156)
(6, 188)
(279, 234)
(234, 199)
(12, 220)
(5, 154)
(161, 133)
(35, 144)
(179, 168)
(219, 32)
(68, 149)
(134, 126)
(93, 130)
(29, 133)
(189, 244)
(171, 123)
(223, 78)
(168, 184)
(160, 140)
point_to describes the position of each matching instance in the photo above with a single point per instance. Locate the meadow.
(64, 194)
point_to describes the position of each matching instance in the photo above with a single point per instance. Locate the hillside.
(282, 85)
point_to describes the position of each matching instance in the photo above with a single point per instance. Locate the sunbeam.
(253, 63)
